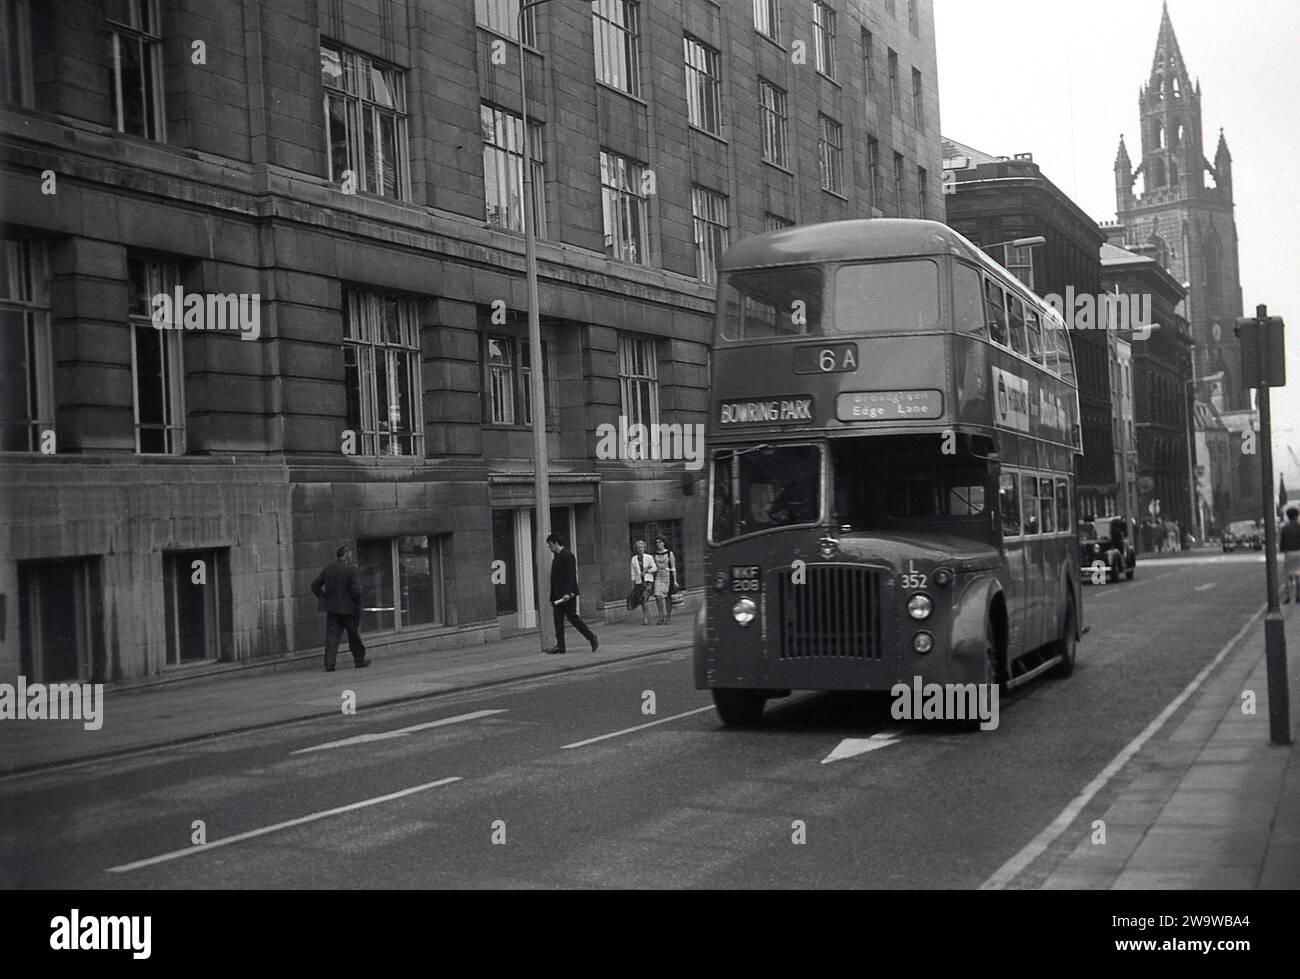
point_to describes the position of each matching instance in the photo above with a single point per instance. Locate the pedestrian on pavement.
(665, 579)
(1289, 545)
(564, 594)
(643, 570)
(338, 594)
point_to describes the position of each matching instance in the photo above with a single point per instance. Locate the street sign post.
(1263, 366)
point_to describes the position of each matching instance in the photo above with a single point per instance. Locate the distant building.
(1187, 225)
(995, 201)
(1124, 429)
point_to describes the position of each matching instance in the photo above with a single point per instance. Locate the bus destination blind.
(858, 406)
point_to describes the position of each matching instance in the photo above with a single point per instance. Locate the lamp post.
(537, 385)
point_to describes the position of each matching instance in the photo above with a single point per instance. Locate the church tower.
(1183, 214)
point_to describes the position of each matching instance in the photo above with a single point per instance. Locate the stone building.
(347, 174)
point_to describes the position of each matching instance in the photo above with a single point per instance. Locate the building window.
(614, 27)
(874, 175)
(16, 43)
(381, 362)
(60, 611)
(900, 183)
(913, 18)
(895, 96)
(767, 18)
(156, 365)
(638, 375)
(824, 38)
(135, 60)
(868, 63)
(710, 211)
(922, 190)
(197, 606)
(509, 380)
(772, 102)
(365, 122)
(26, 367)
(918, 99)
(502, 17)
(624, 202)
(503, 170)
(774, 222)
(830, 152)
(415, 566)
(703, 85)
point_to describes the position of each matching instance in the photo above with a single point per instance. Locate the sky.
(1060, 79)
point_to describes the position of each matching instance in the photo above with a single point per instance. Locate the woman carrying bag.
(643, 571)
(665, 581)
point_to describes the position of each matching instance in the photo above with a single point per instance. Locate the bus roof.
(844, 241)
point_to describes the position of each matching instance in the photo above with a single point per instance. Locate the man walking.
(564, 594)
(338, 595)
(1289, 545)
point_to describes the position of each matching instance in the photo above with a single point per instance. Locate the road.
(567, 782)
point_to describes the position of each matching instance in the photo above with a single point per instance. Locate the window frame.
(363, 334)
(771, 13)
(712, 230)
(830, 153)
(144, 29)
(626, 31)
(703, 85)
(638, 379)
(362, 113)
(16, 44)
(24, 262)
(775, 123)
(519, 373)
(511, 161)
(625, 200)
(823, 15)
(487, 11)
(161, 277)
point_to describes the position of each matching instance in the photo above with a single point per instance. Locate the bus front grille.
(836, 612)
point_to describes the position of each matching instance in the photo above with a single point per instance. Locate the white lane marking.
(201, 847)
(639, 727)
(852, 747)
(399, 733)
(1207, 587)
(1035, 847)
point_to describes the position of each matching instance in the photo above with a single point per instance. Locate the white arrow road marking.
(639, 727)
(851, 747)
(399, 733)
(1212, 584)
(199, 848)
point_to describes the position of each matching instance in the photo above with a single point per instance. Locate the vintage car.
(1243, 534)
(1106, 550)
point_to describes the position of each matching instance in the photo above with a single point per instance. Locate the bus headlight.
(919, 607)
(923, 642)
(743, 611)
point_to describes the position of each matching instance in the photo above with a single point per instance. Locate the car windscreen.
(765, 488)
(760, 304)
(886, 297)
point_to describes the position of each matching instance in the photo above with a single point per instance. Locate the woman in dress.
(643, 571)
(665, 578)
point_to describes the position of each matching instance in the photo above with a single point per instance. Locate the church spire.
(1169, 57)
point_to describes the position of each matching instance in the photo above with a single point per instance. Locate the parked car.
(1106, 549)
(1241, 535)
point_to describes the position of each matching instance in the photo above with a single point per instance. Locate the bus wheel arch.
(997, 623)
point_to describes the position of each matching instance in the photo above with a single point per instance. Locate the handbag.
(635, 597)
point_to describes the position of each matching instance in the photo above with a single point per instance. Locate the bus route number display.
(835, 358)
(746, 577)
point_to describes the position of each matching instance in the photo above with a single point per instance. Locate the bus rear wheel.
(1067, 646)
(739, 708)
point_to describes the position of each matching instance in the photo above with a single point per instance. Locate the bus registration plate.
(746, 577)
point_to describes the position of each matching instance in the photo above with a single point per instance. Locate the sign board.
(786, 409)
(1010, 400)
(878, 406)
(1263, 351)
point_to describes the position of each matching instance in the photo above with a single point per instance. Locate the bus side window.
(1029, 505)
(1016, 311)
(1053, 337)
(1063, 504)
(1048, 505)
(1035, 335)
(967, 307)
(1009, 504)
(1066, 369)
(996, 311)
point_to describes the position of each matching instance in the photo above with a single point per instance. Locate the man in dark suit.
(338, 595)
(564, 594)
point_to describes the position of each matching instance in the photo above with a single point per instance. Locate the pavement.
(1200, 799)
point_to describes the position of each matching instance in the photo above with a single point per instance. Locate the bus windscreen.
(775, 302)
(887, 297)
(765, 488)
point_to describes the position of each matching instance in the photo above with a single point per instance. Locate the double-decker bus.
(893, 425)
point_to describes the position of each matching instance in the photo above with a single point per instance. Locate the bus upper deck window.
(967, 307)
(996, 310)
(1034, 331)
(776, 302)
(887, 297)
(1016, 317)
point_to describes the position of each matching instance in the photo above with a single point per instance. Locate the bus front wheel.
(739, 708)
